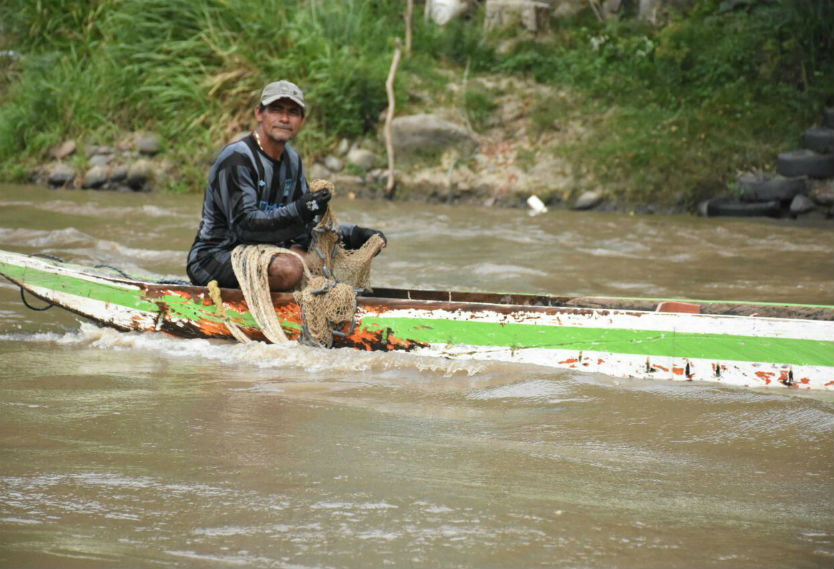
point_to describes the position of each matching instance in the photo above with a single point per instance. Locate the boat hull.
(728, 343)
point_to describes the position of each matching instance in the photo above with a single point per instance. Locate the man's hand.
(311, 205)
(359, 235)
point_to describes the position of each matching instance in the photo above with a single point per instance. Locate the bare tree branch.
(389, 116)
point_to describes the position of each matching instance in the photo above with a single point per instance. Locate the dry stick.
(409, 13)
(389, 116)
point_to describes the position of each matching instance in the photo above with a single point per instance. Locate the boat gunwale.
(456, 300)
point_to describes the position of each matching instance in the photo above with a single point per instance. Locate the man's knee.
(285, 272)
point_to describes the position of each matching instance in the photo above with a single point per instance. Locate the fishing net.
(327, 293)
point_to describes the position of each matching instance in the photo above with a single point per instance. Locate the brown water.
(128, 450)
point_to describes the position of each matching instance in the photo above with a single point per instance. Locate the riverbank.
(442, 159)
(620, 115)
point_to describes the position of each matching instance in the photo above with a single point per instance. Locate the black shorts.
(212, 266)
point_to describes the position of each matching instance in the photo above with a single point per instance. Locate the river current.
(140, 450)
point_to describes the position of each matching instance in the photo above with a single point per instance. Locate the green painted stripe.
(133, 298)
(102, 291)
(617, 340)
(708, 346)
(195, 310)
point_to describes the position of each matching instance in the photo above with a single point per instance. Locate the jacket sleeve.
(247, 222)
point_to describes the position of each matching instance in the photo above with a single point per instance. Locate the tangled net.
(327, 295)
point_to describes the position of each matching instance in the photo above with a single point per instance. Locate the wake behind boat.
(733, 343)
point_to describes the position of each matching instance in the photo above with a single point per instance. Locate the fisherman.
(257, 193)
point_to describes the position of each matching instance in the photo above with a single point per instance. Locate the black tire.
(819, 139)
(765, 188)
(728, 207)
(828, 117)
(795, 163)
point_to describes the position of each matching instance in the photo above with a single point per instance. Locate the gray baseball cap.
(282, 90)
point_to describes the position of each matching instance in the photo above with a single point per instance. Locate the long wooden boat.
(734, 343)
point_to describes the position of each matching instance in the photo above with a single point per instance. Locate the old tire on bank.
(728, 207)
(804, 162)
(819, 139)
(828, 117)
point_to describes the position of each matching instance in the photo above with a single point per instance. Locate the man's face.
(280, 120)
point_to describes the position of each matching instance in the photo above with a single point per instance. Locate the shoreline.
(138, 163)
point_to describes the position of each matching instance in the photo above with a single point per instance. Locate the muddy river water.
(130, 450)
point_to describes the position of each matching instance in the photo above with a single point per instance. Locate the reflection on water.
(137, 450)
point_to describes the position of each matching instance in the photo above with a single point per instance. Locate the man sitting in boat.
(257, 193)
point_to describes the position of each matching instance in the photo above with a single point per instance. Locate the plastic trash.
(536, 205)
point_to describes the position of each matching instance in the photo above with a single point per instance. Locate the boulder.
(39, 176)
(427, 180)
(532, 16)
(333, 164)
(347, 183)
(100, 159)
(148, 144)
(764, 187)
(362, 158)
(94, 149)
(119, 173)
(62, 150)
(344, 146)
(139, 174)
(125, 144)
(95, 177)
(427, 133)
(588, 200)
(317, 171)
(802, 204)
(61, 175)
(442, 12)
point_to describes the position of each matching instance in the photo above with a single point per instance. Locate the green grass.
(675, 110)
(480, 106)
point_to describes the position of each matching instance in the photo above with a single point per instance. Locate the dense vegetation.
(679, 106)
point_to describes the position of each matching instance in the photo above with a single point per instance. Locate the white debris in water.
(536, 205)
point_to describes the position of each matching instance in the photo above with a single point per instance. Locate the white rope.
(251, 266)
